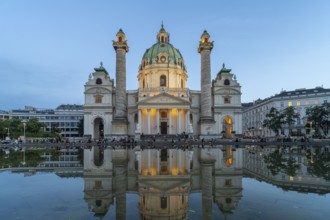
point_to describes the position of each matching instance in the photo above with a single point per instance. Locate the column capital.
(120, 42)
(205, 43)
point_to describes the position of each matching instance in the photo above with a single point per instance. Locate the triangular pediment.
(164, 99)
(227, 91)
(165, 184)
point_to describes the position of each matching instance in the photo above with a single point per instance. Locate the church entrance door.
(163, 127)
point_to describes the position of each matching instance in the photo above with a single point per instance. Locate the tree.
(54, 126)
(290, 116)
(318, 117)
(34, 126)
(274, 120)
(10, 126)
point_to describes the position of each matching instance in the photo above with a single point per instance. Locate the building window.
(98, 184)
(316, 102)
(136, 99)
(191, 118)
(163, 202)
(98, 99)
(163, 114)
(298, 103)
(162, 80)
(228, 182)
(307, 102)
(227, 82)
(182, 83)
(226, 100)
(143, 84)
(325, 101)
(98, 81)
(289, 103)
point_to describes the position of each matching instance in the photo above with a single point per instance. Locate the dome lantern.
(163, 36)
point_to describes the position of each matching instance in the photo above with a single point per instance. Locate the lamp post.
(24, 124)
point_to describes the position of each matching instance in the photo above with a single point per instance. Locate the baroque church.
(162, 104)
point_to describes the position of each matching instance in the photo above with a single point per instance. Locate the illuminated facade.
(162, 104)
(163, 179)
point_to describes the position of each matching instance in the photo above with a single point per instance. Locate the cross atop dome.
(163, 36)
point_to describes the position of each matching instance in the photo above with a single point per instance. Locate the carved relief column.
(206, 119)
(120, 121)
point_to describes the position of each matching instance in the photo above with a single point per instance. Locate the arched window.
(120, 39)
(136, 118)
(143, 84)
(182, 83)
(162, 80)
(98, 81)
(226, 82)
(191, 118)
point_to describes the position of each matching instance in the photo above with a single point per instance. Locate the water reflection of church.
(162, 179)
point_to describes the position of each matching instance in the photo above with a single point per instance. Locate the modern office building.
(254, 113)
(64, 117)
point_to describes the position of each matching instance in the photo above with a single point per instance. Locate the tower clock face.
(163, 59)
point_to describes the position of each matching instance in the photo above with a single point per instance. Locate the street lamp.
(24, 124)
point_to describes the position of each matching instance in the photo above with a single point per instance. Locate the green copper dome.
(158, 48)
(162, 52)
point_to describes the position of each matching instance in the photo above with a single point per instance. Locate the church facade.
(162, 104)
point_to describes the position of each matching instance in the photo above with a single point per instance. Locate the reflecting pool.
(218, 182)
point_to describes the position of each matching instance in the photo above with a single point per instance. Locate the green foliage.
(319, 165)
(33, 128)
(17, 158)
(276, 119)
(276, 162)
(289, 117)
(318, 118)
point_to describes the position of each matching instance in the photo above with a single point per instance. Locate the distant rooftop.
(70, 107)
(283, 93)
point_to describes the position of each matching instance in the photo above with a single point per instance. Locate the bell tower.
(206, 119)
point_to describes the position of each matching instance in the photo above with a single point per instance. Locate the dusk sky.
(49, 48)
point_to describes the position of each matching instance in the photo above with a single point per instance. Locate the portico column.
(148, 110)
(149, 161)
(179, 121)
(179, 161)
(158, 163)
(170, 121)
(157, 121)
(187, 118)
(170, 155)
(140, 117)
